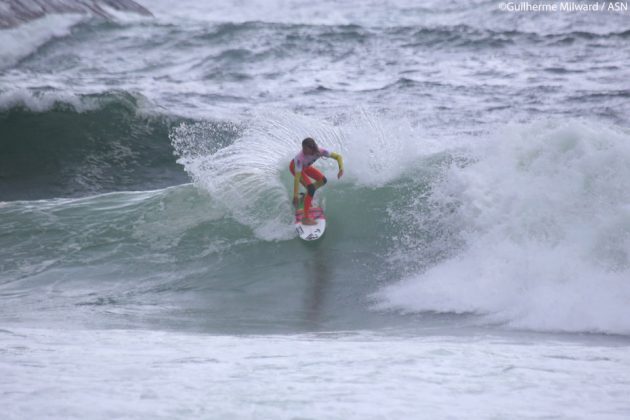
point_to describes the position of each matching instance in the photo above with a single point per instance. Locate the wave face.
(90, 144)
(526, 228)
(176, 259)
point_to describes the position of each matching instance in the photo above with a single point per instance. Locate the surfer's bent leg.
(319, 179)
(320, 183)
(314, 173)
(308, 184)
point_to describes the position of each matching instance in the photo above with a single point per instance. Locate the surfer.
(301, 169)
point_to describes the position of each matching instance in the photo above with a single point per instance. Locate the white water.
(545, 218)
(251, 178)
(162, 375)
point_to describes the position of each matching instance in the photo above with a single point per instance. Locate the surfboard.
(310, 232)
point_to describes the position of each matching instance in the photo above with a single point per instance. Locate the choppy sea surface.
(477, 258)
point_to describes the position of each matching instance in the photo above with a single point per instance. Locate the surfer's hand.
(295, 202)
(340, 174)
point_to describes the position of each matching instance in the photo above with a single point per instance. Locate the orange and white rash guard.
(302, 161)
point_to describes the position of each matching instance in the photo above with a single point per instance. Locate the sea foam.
(543, 217)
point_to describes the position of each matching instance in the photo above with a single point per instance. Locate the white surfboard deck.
(310, 232)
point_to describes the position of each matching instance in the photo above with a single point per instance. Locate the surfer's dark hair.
(310, 143)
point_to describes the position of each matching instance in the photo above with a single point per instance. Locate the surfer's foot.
(308, 221)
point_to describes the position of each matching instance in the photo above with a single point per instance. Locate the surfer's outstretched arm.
(339, 160)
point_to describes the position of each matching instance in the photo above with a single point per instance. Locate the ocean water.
(477, 258)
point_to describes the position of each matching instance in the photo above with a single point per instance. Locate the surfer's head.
(309, 147)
